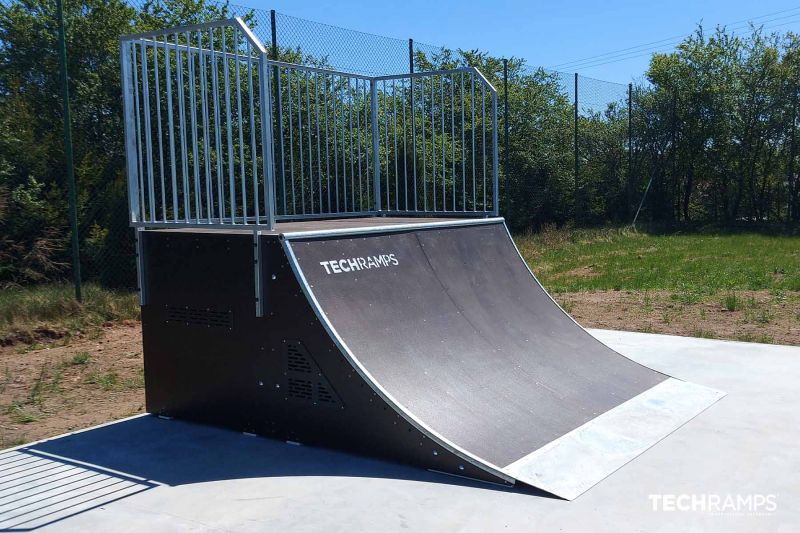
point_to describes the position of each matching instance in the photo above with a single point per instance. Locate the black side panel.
(209, 359)
(462, 336)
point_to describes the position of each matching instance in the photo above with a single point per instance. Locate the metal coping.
(338, 232)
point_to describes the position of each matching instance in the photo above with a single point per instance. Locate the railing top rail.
(322, 70)
(485, 80)
(425, 73)
(236, 22)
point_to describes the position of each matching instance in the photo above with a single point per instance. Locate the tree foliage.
(713, 129)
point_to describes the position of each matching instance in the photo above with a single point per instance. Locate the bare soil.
(70, 384)
(77, 382)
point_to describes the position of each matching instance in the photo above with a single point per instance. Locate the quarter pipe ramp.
(427, 343)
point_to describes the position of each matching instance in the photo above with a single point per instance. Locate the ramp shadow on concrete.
(44, 483)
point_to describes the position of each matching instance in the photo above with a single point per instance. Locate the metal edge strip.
(365, 374)
(339, 232)
(575, 462)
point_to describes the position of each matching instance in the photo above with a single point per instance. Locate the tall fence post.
(411, 56)
(73, 201)
(578, 207)
(376, 156)
(794, 193)
(630, 131)
(505, 121)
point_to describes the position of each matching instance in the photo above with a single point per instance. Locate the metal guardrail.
(197, 100)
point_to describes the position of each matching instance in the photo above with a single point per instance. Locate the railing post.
(267, 156)
(505, 126)
(130, 132)
(376, 157)
(578, 198)
(495, 163)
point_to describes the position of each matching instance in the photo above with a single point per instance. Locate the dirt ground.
(64, 386)
(49, 389)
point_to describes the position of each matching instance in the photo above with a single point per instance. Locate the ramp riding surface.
(449, 326)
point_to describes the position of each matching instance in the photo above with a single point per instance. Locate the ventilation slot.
(193, 316)
(300, 389)
(297, 361)
(324, 394)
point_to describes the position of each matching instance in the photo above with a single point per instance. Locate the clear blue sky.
(545, 33)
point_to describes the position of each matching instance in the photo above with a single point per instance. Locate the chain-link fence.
(572, 148)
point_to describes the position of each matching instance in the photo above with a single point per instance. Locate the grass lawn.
(46, 312)
(742, 286)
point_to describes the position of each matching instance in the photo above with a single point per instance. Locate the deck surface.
(321, 225)
(164, 475)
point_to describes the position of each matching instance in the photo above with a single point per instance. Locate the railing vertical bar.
(376, 164)
(267, 155)
(386, 141)
(495, 162)
(206, 126)
(405, 147)
(140, 171)
(327, 146)
(344, 152)
(240, 122)
(319, 143)
(359, 131)
(198, 197)
(310, 146)
(171, 127)
(217, 128)
(433, 141)
(453, 134)
(291, 137)
(366, 147)
(159, 125)
(229, 127)
(350, 101)
(300, 140)
(444, 145)
(483, 132)
(251, 97)
(396, 174)
(182, 134)
(424, 147)
(414, 141)
(463, 150)
(279, 111)
(334, 120)
(148, 135)
(472, 127)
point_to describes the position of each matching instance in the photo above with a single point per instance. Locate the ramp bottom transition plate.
(573, 463)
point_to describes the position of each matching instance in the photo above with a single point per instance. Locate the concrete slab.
(734, 467)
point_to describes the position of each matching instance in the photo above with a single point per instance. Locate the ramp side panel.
(462, 336)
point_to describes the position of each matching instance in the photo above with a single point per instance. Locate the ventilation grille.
(193, 316)
(304, 378)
